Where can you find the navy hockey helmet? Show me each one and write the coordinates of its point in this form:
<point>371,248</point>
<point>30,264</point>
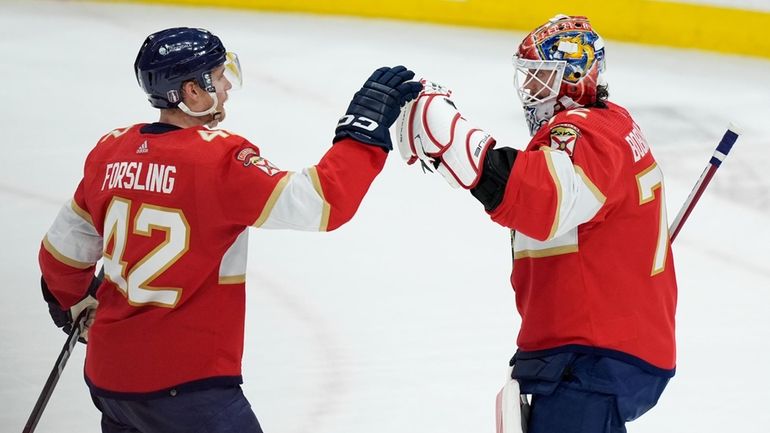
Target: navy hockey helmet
<point>173,56</point>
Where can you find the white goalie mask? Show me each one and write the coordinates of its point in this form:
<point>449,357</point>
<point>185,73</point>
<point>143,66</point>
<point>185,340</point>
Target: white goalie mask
<point>559,66</point>
<point>537,84</point>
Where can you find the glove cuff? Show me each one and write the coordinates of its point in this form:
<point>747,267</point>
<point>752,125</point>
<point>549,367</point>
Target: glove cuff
<point>47,295</point>
<point>494,178</point>
<point>385,145</point>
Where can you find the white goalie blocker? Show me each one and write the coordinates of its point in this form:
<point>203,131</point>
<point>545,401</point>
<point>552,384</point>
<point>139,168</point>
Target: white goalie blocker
<point>430,129</point>
<point>509,405</point>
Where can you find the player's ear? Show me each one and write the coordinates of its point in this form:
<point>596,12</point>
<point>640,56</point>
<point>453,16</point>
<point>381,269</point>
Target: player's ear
<point>190,91</point>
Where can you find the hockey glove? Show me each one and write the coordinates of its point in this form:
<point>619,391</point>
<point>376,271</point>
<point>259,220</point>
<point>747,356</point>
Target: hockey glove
<point>430,129</point>
<point>65,319</point>
<point>375,107</point>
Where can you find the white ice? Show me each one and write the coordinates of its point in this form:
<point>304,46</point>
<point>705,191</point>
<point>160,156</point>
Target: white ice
<point>403,320</point>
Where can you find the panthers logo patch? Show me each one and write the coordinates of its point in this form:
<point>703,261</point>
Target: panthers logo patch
<point>250,157</point>
<point>564,137</point>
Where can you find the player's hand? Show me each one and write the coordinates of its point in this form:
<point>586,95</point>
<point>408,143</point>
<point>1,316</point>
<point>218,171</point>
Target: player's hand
<point>409,140</point>
<point>431,130</point>
<point>376,106</point>
<point>65,319</point>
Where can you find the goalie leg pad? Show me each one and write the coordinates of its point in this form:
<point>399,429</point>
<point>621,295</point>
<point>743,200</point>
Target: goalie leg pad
<point>508,408</point>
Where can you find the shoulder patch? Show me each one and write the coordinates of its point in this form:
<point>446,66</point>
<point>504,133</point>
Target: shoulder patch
<point>250,157</point>
<point>115,133</point>
<point>564,136</point>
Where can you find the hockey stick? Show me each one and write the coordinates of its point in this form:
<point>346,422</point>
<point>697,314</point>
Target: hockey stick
<point>61,361</point>
<point>56,373</point>
<point>716,160</point>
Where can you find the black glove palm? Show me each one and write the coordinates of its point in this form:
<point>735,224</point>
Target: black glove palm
<point>376,106</point>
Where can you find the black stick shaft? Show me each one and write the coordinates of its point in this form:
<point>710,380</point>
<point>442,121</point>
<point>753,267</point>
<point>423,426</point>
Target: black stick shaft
<point>53,378</point>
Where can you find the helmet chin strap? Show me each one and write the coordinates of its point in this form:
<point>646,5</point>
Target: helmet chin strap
<point>216,115</point>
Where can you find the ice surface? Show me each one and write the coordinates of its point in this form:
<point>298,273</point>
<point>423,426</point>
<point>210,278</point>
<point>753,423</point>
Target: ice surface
<point>404,319</point>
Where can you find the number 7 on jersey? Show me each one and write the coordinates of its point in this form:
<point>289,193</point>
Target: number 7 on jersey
<point>648,181</point>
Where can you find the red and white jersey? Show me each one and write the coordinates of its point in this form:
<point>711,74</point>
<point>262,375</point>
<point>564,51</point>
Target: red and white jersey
<point>592,256</point>
<point>168,210</point>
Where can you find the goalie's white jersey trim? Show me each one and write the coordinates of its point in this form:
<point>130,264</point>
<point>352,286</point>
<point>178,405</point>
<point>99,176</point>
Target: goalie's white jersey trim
<point>579,200</point>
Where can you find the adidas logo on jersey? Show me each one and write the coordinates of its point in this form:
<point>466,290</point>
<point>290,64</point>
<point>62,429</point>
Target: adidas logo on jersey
<point>143,148</point>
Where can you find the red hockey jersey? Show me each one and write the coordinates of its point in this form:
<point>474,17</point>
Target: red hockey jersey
<point>169,213</point>
<point>593,268</point>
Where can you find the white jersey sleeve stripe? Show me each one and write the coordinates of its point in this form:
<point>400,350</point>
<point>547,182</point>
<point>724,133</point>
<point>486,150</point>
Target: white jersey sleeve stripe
<point>83,214</point>
<point>62,258</point>
<point>300,205</point>
<point>525,246</point>
<point>326,208</point>
<point>271,200</point>
<point>579,200</point>
<point>557,181</point>
<point>72,239</point>
<point>600,197</point>
<point>232,269</point>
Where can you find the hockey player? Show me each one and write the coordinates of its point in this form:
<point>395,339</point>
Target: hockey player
<point>593,271</point>
<point>167,206</point>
